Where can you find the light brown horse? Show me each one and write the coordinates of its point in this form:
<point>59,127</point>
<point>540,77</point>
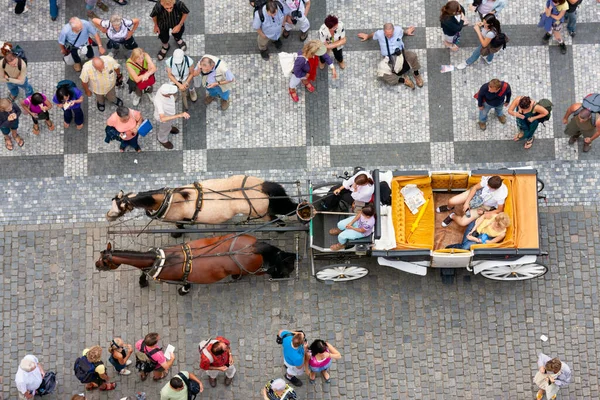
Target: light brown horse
<point>208,202</point>
<point>206,260</point>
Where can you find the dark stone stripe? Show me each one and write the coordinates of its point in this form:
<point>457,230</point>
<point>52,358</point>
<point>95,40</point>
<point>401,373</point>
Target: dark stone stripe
<point>380,154</point>
<point>502,151</point>
<point>194,129</point>
<point>317,110</point>
<point>194,24</point>
<point>259,158</point>
<point>562,82</point>
<point>31,166</point>
<point>433,11</point>
<point>149,162</point>
<point>440,96</point>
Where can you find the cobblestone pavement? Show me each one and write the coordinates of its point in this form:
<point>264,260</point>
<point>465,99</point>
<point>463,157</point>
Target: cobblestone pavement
<point>401,336</point>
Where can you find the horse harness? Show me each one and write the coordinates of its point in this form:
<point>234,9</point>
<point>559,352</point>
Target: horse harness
<point>164,207</point>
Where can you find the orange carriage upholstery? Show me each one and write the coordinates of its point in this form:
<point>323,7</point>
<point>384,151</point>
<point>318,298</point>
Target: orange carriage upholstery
<point>422,238</point>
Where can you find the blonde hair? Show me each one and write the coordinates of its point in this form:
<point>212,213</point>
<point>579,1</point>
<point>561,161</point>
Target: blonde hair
<point>168,2</point>
<point>503,220</point>
<point>311,48</point>
<point>5,105</point>
<point>135,53</point>
<point>94,354</point>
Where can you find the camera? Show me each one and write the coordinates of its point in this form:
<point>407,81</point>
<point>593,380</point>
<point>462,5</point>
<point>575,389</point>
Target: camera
<point>397,52</point>
<point>295,15</point>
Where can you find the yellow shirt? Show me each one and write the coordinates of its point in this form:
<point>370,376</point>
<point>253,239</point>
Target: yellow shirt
<point>563,7</point>
<point>100,82</point>
<point>487,227</point>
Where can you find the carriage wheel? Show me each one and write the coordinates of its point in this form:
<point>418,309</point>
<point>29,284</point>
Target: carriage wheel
<point>341,273</point>
<point>540,185</point>
<point>515,272</point>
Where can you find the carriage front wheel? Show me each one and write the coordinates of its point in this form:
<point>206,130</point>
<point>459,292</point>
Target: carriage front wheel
<point>515,272</point>
<point>341,273</point>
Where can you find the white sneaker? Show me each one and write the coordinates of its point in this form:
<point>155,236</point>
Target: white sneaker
<point>136,101</point>
<point>486,61</point>
<point>462,65</point>
<point>125,372</point>
<point>111,54</point>
<point>151,101</point>
<point>128,362</point>
<point>26,9</point>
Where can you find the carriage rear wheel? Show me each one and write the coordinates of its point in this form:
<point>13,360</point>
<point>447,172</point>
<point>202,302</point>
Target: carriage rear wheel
<point>515,272</point>
<point>341,273</point>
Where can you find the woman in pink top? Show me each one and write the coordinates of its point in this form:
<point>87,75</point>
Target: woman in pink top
<point>320,354</point>
<point>37,106</point>
<point>126,122</point>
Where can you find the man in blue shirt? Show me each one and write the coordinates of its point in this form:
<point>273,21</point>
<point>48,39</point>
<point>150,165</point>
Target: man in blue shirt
<point>75,35</point>
<point>268,22</point>
<point>401,60</point>
<point>294,353</point>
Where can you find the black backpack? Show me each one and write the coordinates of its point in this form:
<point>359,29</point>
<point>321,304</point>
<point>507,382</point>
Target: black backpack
<point>85,370</point>
<point>192,386</point>
<point>500,40</point>
<point>48,384</point>
<point>144,361</point>
<point>259,4</point>
<point>547,104</point>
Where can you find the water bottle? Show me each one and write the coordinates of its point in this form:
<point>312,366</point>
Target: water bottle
<point>484,238</point>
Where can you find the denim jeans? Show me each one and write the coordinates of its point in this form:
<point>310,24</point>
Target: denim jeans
<point>348,234</point>
<point>133,142</point>
<point>476,54</point>
<point>13,88</point>
<point>53,9</point>
<point>571,20</point>
<point>483,114</point>
<point>218,92</point>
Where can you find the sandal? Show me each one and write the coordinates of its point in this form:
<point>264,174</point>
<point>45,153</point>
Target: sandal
<point>8,143</point>
<point>50,125</point>
<point>518,136</point>
<point>66,125</point>
<point>109,386</point>
<point>181,44</point>
<point>36,129</point>
<point>528,144</point>
<point>311,381</point>
<point>101,107</point>
<point>309,87</point>
<point>121,2</point>
<point>19,140</point>
<point>163,52</point>
<point>444,208</point>
<point>294,95</point>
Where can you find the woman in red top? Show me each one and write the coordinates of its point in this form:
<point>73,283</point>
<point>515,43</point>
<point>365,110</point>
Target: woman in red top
<point>126,122</point>
<point>215,356</point>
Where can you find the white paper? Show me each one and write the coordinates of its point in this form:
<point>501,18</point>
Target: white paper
<point>447,68</point>
<point>170,349</point>
<point>543,338</point>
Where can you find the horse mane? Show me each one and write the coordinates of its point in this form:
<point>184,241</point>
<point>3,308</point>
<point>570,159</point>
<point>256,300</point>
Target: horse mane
<point>144,199</point>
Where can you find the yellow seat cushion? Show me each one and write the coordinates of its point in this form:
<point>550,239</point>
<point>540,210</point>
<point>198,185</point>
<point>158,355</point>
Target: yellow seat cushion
<point>423,236</point>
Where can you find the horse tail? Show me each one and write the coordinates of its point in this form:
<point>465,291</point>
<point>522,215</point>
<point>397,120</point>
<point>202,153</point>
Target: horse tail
<point>279,201</point>
<point>279,263</point>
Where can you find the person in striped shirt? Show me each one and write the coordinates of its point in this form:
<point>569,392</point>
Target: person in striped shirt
<point>169,16</point>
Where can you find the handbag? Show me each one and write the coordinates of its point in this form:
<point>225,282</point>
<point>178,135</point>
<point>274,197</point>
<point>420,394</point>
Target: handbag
<point>287,60</point>
<point>48,384</point>
<point>68,59</point>
<point>144,128</point>
<point>142,85</point>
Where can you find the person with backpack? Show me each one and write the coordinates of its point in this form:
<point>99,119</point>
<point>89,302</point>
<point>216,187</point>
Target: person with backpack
<point>119,31</point>
<point>294,346</point>
<point>90,370</point>
<point>552,20</point>
<point>180,69</point>
<point>215,357</point>
<point>584,122</point>
<point>169,19</point>
<point>529,114</point>
<point>13,71</point>
<point>452,19</point>
<point>29,377</point>
<point>216,78</point>
<point>183,386</point>
<point>491,39</point>
<point>268,22</point>
<point>296,15</point>
<point>150,358</point>
<point>37,106</point>
<point>75,36</point>
<point>69,98</point>
<point>494,94</point>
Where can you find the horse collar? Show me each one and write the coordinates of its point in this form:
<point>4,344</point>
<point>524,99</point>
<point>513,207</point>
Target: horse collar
<point>164,206</point>
<point>188,262</point>
<point>156,268</point>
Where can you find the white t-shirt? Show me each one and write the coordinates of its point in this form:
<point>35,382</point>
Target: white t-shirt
<point>121,34</point>
<point>496,196</point>
<point>180,71</point>
<point>29,381</point>
<point>163,105</point>
<point>363,193</point>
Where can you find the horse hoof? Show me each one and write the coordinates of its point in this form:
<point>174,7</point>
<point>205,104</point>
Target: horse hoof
<point>182,292</point>
<point>144,284</point>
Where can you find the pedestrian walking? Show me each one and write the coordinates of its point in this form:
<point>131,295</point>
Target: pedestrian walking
<point>178,389</point>
<point>180,70</point>
<point>165,112</point>
<point>69,98</point>
<point>354,227</point>
<point>100,76</point>
<point>37,106</point>
<point>90,6</point>
<point>571,16</point>
<point>484,7</point>
<point>126,122</point>
<point>158,363</point>
<point>268,22</point>
<point>552,374</point>
<point>528,113</point>
<point>29,377</point>
<point>296,15</point>
<point>119,32</point>
<point>552,20</point>
<point>321,355</point>
<point>215,357</point>
<point>119,355</point>
<point>400,60</point>
<point>333,35</point>
<point>494,94</point>
<point>74,36</point>
<point>491,40</point>
<point>277,389</point>
<point>53,10</point>
<point>90,370</point>
<point>216,78</point>
<point>452,19</point>
<point>141,70</point>
<point>13,71</point>
<point>169,18</point>
<point>584,122</point>
<point>305,67</point>
<point>9,123</point>
<point>294,348</point>
<point>21,6</point>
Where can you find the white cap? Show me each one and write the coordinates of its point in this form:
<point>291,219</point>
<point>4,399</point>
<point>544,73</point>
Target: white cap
<point>278,384</point>
<point>178,56</point>
<point>168,88</point>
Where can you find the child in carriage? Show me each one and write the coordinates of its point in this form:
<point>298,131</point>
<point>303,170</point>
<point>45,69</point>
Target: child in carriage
<point>356,227</point>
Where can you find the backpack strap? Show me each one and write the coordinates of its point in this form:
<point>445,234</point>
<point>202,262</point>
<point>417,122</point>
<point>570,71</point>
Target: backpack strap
<point>503,90</point>
<point>203,346</point>
<point>184,378</point>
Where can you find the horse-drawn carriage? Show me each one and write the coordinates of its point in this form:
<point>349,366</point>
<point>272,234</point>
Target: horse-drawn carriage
<point>416,243</point>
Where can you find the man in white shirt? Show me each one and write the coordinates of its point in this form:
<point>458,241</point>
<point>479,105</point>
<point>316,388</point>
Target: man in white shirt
<point>164,112</point>
<point>296,12</point>
<point>29,377</point>
<point>491,192</point>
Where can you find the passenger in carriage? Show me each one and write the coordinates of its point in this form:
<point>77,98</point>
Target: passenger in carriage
<point>358,188</point>
<point>488,197</point>
<point>486,229</point>
<point>356,227</point>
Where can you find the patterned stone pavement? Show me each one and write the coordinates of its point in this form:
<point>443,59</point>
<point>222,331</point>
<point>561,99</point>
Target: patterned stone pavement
<point>401,336</point>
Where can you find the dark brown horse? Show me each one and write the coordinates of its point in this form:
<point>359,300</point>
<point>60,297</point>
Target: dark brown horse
<point>206,260</point>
